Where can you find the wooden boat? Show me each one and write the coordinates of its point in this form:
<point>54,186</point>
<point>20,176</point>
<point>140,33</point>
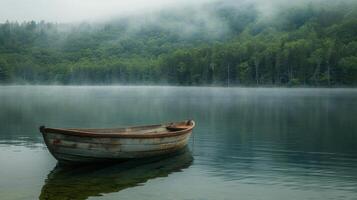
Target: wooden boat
<point>95,145</point>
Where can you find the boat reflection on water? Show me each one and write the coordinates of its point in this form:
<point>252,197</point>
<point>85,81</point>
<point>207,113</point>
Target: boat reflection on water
<point>74,182</point>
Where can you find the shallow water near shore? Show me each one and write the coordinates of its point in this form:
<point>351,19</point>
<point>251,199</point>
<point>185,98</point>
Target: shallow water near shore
<point>249,143</point>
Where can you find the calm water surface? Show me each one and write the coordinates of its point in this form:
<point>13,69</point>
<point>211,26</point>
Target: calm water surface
<point>248,143</point>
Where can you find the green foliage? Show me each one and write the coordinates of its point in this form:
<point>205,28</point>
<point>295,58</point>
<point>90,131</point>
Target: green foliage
<point>303,45</point>
<point>348,68</point>
<point>4,73</point>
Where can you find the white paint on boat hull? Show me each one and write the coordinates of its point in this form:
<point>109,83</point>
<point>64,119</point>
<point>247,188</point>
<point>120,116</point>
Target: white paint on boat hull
<point>66,148</point>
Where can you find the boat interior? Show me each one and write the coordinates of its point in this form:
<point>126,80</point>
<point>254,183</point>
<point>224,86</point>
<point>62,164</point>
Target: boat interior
<point>150,129</point>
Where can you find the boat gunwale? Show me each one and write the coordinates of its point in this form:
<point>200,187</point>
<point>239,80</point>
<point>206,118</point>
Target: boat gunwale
<point>71,132</point>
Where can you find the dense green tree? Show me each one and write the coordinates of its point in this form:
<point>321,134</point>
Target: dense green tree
<point>4,72</point>
<point>348,67</point>
<point>314,44</point>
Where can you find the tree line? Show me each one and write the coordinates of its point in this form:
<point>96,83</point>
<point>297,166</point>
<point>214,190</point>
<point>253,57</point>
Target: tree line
<point>310,45</point>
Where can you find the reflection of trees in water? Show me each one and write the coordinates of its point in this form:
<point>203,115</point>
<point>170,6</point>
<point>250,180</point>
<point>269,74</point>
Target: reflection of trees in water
<point>292,137</point>
<point>66,182</point>
<point>266,162</point>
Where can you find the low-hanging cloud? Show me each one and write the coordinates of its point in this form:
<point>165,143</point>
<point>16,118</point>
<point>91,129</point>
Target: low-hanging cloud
<point>68,11</point>
<point>186,17</point>
<point>65,11</point>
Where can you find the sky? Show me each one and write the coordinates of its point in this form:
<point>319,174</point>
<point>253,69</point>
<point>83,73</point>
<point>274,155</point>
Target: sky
<point>68,11</point>
<point>64,11</point>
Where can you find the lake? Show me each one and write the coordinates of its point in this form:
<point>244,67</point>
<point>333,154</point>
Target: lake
<point>249,143</point>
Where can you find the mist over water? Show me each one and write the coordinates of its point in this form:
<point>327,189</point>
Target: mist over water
<point>253,142</point>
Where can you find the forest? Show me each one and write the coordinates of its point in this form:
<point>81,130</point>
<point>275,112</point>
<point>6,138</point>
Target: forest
<point>312,44</point>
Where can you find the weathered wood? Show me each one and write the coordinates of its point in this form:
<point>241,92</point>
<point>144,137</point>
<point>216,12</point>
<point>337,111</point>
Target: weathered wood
<point>93,145</point>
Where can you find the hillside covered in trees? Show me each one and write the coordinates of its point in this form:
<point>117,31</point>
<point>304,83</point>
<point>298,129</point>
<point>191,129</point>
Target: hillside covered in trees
<point>219,43</point>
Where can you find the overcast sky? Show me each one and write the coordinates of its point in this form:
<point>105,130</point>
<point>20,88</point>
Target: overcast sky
<point>80,10</point>
<point>97,10</point>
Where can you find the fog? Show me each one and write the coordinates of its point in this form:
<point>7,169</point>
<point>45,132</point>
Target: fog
<point>205,42</point>
<point>184,16</point>
<point>66,11</point>
<point>81,10</point>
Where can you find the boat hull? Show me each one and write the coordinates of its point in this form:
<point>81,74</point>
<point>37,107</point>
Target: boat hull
<point>84,149</point>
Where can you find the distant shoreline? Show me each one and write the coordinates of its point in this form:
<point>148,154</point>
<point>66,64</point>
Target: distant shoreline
<point>188,86</point>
